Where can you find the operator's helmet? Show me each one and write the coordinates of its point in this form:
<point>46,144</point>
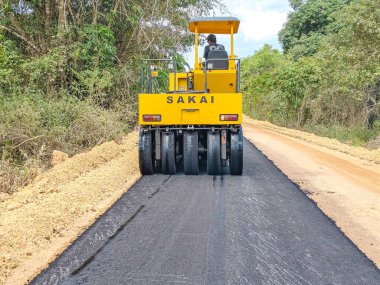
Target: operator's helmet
<point>211,38</point>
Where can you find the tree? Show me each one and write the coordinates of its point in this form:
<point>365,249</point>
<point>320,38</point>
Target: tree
<point>274,86</point>
<point>138,26</point>
<point>335,90</point>
<point>257,81</point>
<point>64,37</point>
<point>308,24</point>
<point>347,93</point>
<point>296,4</point>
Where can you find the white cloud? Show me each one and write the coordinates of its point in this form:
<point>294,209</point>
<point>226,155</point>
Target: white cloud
<point>260,20</point>
<point>261,25</point>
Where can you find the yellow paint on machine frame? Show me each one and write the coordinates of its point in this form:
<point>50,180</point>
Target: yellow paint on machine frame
<point>216,25</point>
<point>190,108</point>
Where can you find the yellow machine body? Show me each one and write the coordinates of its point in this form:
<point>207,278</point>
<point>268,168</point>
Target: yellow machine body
<point>218,81</point>
<point>215,25</point>
<point>190,109</point>
<point>200,106</point>
<point>181,82</point>
<point>187,117</point>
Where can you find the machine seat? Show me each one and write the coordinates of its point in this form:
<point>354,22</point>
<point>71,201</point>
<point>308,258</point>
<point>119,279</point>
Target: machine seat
<point>218,52</point>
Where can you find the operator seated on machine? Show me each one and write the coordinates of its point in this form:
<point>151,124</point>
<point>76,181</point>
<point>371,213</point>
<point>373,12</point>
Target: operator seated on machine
<point>212,45</point>
<point>215,54</point>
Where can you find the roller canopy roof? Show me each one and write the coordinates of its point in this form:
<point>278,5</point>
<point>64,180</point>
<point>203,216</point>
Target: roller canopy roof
<point>214,25</point>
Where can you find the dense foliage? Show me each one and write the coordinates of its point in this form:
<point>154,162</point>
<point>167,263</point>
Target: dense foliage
<point>82,47</point>
<point>69,71</point>
<point>336,86</point>
<point>308,24</point>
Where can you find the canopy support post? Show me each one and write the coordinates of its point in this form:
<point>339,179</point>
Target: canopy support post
<point>196,49</point>
<point>232,41</point>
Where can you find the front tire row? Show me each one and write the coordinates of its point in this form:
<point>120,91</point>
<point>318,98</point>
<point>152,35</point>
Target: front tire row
<point>169,150</point>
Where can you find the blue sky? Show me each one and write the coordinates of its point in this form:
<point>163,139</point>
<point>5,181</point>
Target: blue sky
<point>260,22</point>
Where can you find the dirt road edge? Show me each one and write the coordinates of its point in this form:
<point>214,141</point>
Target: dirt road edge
<point>40,221</point>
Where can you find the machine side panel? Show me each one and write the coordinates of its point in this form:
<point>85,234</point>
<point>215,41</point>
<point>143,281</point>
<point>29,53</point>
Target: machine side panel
<point>218,81</point>
<point>181,82</point>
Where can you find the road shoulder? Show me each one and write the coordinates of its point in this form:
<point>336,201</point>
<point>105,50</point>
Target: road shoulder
<point>39,221</point>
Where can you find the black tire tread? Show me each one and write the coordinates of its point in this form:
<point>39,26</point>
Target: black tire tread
<point>190,153</point>
<point>168,162</point>
<point>146,153</point>
<point>236,156</point>
<point>214,163</point>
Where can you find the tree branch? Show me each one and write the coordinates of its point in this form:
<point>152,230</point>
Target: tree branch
<point>19,36</point>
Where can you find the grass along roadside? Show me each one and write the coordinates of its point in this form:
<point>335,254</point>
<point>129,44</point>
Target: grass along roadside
<point>33,126</point>
<point>359,136</point>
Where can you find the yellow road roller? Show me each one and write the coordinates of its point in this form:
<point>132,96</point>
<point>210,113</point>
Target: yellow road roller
<point>191,117</point>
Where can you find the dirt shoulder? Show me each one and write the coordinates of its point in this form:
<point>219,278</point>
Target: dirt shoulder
<point>40,221</point>
<point>343,180</point>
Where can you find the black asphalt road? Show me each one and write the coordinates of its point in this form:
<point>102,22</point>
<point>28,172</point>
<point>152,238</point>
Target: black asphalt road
<point>255,229</point>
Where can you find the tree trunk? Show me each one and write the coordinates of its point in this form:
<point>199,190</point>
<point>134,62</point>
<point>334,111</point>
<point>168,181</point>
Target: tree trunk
<point>61,15</point>
<point>47,17</point>
<point>95,5</point>
<point>47,22</point>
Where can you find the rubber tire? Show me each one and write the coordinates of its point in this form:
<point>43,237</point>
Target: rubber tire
<point>168,153</point>
<point>190,153</point>
<point>146,153</point>
<point>236,155</point>
<point>214,162</point>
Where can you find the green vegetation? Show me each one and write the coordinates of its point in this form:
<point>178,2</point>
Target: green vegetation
<point>327,80</point>
<point>69,72</point>
<point>32,126</point>
<point>308,25</point>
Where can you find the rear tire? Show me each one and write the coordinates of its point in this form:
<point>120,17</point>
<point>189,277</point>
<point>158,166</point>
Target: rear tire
<point>190,153</point>
<point>236,156</point>
<point>214,163</point>
<point>168,153</point>
<point>145,153</point>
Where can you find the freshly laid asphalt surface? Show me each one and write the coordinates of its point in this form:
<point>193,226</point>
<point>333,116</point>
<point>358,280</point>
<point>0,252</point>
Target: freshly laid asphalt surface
<point>255,229</point>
